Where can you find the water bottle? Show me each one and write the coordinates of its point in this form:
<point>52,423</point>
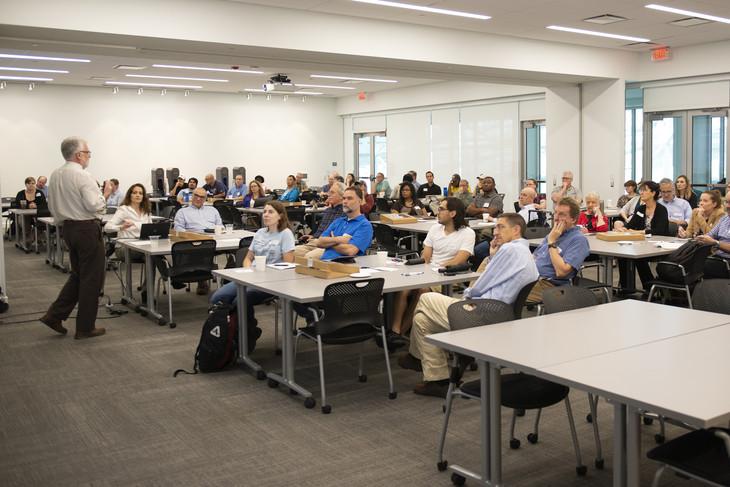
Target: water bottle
<point>446,191</point>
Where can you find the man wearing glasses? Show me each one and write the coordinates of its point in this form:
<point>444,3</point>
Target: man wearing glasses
<point>76,202</point>
<point>678,209</point>
<point>566,190</point>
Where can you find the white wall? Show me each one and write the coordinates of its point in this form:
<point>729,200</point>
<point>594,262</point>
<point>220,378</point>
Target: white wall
<point>129,134</point>
<point>563,111</point>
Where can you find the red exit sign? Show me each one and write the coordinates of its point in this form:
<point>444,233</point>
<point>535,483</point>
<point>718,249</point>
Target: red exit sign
<point>660,54</point>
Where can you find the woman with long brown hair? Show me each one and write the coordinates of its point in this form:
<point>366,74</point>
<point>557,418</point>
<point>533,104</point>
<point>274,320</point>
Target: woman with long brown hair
<point>131,214</point>
<point>684,190</point>
<point>705,216</point>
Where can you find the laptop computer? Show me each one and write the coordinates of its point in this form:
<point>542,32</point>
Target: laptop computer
<point>161,229</point>
<point>259,202</point>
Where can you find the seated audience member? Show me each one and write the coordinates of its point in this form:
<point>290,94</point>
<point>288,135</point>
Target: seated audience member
<point>349,180</point>
<point>630,188</point>
<point>561,254</point>
<point>330,181</point>
<point>381,187</point>
<point>627,211</point>
<point>255,191</point>
<point>301,183</point>
<point>463,192</point>
<point>407,178</point>
<point>116,196</point>
<point>486,200</point>
<point>415,182</point>
<point>185,195</point>
<point>29,198</point>
<point>449,242</point>
<point>213,187</point>
<point>592,219</point>
<point>511,267</point>
<point>196,218</point>
<point>260,180</point>
<point>368,202</point>
<point>177,187</point>
<point>238,190</point>
<point>42,185</point>
<point>705,216</point>
<point>540,200</point>
<point>429,188</point>
<point>678,210</point>
<point>527,206</point>
<point>407,203</point>
<point>340,179</point>
<point>651,217</point>
<point>719,236</point>
<point>683,190</point>
<point>329,215</point>
<point>275,240</point>
<point>292,191</point>
<point>127,221</point>
<point>454,185</point>
<point>566,190</point>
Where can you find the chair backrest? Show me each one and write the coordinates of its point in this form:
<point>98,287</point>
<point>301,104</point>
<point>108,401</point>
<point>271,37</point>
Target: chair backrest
<point>308,196</point>
<point>351,303</point>
<point>243,247</point>
<point>169,212</point>
<point>218,203</point>
<point>716,268</point>
<point>692,256</point>
<point>522,299</point>
<point>536,232</point>
<point>469,313</point>
<point>712,295</point>
<point>382,204</point>
<point>384,236</point>
<point>673,229</point>
<point>296,213</point>
<point>566,298</point>
<point>193,256</point>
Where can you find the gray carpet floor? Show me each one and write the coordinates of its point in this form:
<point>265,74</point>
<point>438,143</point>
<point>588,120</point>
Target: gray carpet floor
<point>107,411</point>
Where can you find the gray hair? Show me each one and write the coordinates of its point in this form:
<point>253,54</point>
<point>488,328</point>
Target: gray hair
<point>70,146</point>
<point>338,187</point>
<point>592,195</point>
<point>666,181</point>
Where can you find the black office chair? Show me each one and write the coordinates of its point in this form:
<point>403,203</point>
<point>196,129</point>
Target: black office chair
<point>351,314</point>
<point>536,232</point>
<point>676,277</point>
<point>581,281</point>
<point>192,261</point>
<point>297,218</point>
<point>308,196</point>
<point>703,455</point>
<point>522,299</point>
<point>168,212</point>
<point>712,295</point>
<point>386,239</point>
<point>716,268</point>
<point>673,229</point>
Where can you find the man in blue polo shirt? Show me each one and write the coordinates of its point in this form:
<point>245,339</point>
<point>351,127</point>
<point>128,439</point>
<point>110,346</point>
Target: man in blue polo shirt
<point>349,235</point>
<point>563,251</point>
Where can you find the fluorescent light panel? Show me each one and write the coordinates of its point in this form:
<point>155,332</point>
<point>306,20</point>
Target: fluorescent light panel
<point>595,33</point>
<point>308,93</point>
<point>198,68</point>
<point>23,78</point>
<point>152,85</point>
<point>347,78</point>
<point>179,78</point>
<point>325,86</point>
<point>259,90</point>
<point>44,58</point>
<point>689,13</point>
<point>32,70</point>
<point>422,8</point>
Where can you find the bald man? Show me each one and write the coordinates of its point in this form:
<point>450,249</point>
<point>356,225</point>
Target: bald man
<point>214,188</point>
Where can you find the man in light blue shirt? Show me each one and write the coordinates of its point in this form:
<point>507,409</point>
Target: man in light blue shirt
<point>678,209</point>
<point>117,196</point>
<point>238,190</point>
<point>510,269</point>
<point>197,217</point>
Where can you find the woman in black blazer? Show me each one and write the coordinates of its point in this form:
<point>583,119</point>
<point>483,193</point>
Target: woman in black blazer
<point>650,216</point>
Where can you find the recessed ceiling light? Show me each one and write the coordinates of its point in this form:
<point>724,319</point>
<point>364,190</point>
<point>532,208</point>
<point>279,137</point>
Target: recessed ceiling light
<point>596,33</point>
<point>23,78</point>
<point>326,76</point>
<point>422,8</point>
<point>605,19</point>
<point>152,85</point>
<point>129,67</point>
<point>325,86</point>
<point>221,70</point>
<point>213,80</point>
<point>254,90</point>
<point>32,70</point>
<point>44,58</point>
<point>688,13</point>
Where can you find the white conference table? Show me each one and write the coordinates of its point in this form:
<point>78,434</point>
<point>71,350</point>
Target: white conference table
<point>291,287</point>
<point>21,219</point>
<point>161,248</point>
<point>570,347</point>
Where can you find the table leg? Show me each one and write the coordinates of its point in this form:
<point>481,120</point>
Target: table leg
<point>149,306</point>
<point>20,237</point>
<point>619,445</point>
<point>607,269</point>
<point>494,475</point>
<point>414,241</point>
<point>128,275</point>
<point>241,298</point>
<point>50,259</point>
<point>59,249</point>
<point>633,446</point>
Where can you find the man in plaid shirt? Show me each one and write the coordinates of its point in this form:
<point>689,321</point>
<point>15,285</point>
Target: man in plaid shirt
<point>333,212</point>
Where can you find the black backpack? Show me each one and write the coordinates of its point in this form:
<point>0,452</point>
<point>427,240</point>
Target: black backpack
<point>218,346</point>
<point>686,256</point>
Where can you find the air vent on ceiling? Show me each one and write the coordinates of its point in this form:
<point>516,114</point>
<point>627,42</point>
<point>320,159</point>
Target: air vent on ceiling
<point>100,78</point>
<point>129,67</point>
<point>690,22</point>
<point>641,45</point>
<point>605,19</point>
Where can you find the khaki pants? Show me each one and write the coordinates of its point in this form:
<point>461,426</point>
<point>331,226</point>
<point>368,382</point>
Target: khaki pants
<point>536,293</point>
<point>307,250</point>
<point>431,317</point>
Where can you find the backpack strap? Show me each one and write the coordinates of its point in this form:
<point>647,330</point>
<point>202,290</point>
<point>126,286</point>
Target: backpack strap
<point>195,368</point>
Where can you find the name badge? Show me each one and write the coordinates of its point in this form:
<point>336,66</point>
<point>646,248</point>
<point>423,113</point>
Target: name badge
<point>485,205</point>
<point>640,214</point>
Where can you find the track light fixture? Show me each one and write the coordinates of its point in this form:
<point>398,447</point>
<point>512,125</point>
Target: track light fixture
<point>163,91</point>
<point>115,90</point>
<point>187,93</point>
<point>31,86</point>
<point>140,90</point>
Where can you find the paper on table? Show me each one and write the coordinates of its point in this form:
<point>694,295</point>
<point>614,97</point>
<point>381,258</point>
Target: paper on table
<point>243,269</point>
<point>386,269</point>
<point>670,245</point>
<point>282,266</point>
<point>367,271</point>
<point>229,241</point>
<point>143,242</point>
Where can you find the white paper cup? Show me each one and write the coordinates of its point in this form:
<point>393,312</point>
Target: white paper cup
<point>260,263</point>
<point>485,217</point>
<point>155,240</point>
<point>219,229</point>
<point>229,228</point>
<point>382,257</point>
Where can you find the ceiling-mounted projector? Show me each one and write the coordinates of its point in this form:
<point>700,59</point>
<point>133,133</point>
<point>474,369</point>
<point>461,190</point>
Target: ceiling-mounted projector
<point>278,82</point>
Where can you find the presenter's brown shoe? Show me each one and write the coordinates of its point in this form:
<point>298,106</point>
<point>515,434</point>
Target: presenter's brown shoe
<point>96,332</point>
<point>54,325</point>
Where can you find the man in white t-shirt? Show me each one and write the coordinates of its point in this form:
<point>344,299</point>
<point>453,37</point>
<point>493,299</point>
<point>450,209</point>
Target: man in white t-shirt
<point>527,205</point>
<point>449,242</point>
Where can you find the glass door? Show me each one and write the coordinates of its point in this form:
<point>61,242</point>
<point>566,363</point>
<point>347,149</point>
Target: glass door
<point>534,154</point>
<point>371,156</point>
<point>709,149</point>
<point>665,141</point>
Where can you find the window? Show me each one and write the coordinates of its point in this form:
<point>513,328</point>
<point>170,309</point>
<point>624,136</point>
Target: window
<point>534,155</point>
<point>634,130</point>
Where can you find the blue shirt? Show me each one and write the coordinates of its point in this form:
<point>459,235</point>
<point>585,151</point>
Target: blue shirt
<point>573,248</point>
<point>721,233</point>
<point>216,188</point>
<point>272,244</point>
<point>185,195</point>
<point>359,229</point>
<point>115,199</point>
<point>236,192</point>
<point>290,195</point>
<point>511,269</point>
<point>677,209</point>
<point>194,219</point>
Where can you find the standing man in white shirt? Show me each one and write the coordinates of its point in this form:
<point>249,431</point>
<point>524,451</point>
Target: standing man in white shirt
<point>76,202</point>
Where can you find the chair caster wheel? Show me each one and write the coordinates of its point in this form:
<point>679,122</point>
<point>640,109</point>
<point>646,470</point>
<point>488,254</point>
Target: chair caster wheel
<point>326,409</point>
<point>442,466</point>
<point>648,421</point>
<point>48,261</point>
<point>581,470</point>
<point>599,463</point>
<point>173,324</point>
<point>659,439</point>
<point>139,288</point>
<point>532,438</point>
<point>124,301</point>
<point>514,443</point>
<point>519,412</point>
<point>457,479</point>
<point>162,322</point>
<point>443,408</point>
<point>260,375</point>
<point>273,384</point>
<point>309,403</point>
<point>278,353</point>
<point>589,418</point>
<point>138,309</point>
<point>143,312</point>
<point>362,378</point>
<point>392,395</point>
